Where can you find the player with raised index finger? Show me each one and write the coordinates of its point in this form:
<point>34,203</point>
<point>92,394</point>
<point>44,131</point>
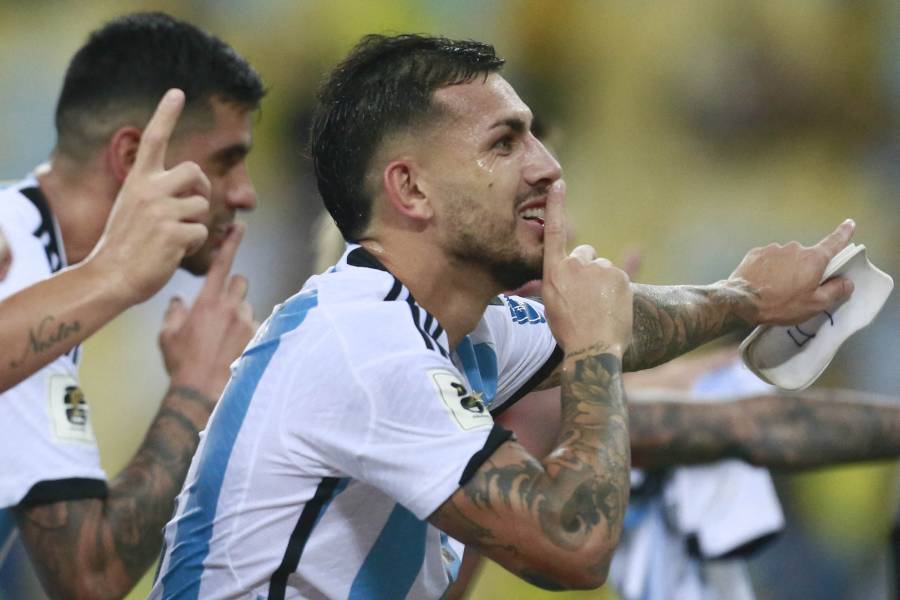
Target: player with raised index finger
<point>144,178</point>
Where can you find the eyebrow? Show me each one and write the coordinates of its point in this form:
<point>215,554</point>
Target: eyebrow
<point>514,123</point>
<point>237,150</point>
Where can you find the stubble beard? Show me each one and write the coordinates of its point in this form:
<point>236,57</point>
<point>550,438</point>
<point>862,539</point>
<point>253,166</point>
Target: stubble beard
<point>496,254</point>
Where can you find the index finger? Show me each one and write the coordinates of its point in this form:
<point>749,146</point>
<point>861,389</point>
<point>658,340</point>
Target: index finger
<point>838,239</point>
<point>555,229</point>
<point>222,261</point>
<point>151,152</point>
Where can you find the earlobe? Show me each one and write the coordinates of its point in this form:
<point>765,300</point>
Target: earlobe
<point>404,191</point>
<point>121,151</point>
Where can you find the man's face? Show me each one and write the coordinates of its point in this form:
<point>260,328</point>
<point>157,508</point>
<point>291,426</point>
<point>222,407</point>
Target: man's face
<point>489,177</point>
<point>220,149</point>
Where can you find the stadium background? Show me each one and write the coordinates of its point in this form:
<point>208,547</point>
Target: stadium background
<point>689,131</point>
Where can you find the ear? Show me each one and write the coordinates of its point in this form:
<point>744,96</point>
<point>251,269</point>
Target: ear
<point>121,150</point>
<point>404,191</point>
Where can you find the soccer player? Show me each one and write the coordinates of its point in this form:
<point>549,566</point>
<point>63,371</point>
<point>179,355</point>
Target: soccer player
<point>123,201</point>
<point>355,437</point>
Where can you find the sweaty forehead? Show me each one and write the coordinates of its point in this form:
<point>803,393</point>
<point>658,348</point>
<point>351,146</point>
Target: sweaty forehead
<point>483,102</point>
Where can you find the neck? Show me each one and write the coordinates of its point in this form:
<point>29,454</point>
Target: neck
<point>457,295</point>
<point>80,197</point>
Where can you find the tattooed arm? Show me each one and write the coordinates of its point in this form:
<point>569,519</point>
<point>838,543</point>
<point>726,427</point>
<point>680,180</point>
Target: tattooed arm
<point>555,522</point>
<point>772,285</point>
<point>100,548</point>
<point>46,320</point>
<point>785,430</point>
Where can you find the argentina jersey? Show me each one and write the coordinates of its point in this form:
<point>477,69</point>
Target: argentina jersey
<point>347,422</point>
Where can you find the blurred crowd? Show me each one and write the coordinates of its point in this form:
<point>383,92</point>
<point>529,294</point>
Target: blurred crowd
<point>688,132</point>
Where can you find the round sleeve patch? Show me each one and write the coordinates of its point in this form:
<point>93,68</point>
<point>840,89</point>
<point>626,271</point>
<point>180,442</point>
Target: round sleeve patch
<point>466,409</point>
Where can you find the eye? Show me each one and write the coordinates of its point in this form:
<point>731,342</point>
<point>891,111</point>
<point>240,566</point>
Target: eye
<point>504,144</point>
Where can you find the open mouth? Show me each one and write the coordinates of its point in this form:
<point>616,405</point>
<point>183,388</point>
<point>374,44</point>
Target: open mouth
<point>533,211</point>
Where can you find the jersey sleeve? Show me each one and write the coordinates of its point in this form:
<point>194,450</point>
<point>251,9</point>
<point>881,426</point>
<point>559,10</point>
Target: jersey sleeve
<point>515,330</point>
<point>48,447</point>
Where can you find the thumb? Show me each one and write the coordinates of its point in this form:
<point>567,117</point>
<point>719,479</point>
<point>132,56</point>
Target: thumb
<point>833,292</point>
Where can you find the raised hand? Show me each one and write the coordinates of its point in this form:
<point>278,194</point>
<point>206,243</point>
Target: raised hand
<point>200,344</point>
<point>158,214</point>
<point>785,281</point>
<point>588,300</point>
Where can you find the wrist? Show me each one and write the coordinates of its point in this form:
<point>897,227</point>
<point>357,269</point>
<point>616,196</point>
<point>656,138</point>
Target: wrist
<point>109,281</point>
<point>190,402</point>
<point>739,299</point>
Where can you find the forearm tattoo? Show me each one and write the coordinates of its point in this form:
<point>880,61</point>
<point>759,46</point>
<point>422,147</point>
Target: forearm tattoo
<point>114,540</point>
<point>45,337</point>
<point>672,320</point>
<point>581,489</point>
<point>782,431</point>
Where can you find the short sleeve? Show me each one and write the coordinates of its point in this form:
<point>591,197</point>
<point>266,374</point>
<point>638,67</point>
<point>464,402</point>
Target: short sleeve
<point>516,332</point>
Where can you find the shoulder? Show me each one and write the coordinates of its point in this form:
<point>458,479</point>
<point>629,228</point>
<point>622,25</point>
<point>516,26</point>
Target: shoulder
<point>17,211</point>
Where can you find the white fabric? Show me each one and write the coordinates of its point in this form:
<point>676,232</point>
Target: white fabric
<point>724,506</point>
<point>47,433</point>
<point>342,388</point>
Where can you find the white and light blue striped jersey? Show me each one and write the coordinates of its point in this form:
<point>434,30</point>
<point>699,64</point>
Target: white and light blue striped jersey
<point>346,423</point>
<point>48,448</point>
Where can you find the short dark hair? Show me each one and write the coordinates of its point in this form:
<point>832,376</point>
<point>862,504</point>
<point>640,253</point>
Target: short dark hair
<point>126,66</point>
<point>385,84</point>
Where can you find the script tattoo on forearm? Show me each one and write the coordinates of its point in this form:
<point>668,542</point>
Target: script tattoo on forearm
<point>672,320</point>
<point>119,537</point>
<point>583,485</point>
<point>781,431</point>
<point>45,337</point>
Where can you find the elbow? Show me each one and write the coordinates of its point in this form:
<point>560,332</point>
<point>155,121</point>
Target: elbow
<point>578,569</point>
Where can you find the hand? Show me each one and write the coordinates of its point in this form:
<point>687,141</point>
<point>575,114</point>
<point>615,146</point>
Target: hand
<point>199,345</point>
<point>784,280</point>
<point>588,300</point>
<point>158,214</point>
<point>5,257</point>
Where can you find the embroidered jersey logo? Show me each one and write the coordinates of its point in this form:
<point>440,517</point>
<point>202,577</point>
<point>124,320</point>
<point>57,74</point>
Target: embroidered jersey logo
<point>522,312</point>
<point>68,411</point>
<point>466,409</point>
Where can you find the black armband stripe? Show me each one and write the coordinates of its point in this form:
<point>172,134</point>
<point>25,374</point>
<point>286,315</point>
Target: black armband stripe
<point>497,436</point>
<point>543,373</point>
<point>59,490</point>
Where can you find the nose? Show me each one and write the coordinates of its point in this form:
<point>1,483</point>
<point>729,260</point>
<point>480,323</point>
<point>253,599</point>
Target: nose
<point>542,168</point>
<point>241,193</point>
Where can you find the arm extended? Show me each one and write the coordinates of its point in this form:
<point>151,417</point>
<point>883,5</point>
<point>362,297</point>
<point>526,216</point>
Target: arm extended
<point>787,430</point>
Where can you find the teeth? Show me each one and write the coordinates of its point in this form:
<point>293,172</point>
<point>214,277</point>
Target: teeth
<point>533,213</point>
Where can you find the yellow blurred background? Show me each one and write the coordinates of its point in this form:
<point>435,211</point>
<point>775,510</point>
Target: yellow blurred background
<point>689,131</point>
